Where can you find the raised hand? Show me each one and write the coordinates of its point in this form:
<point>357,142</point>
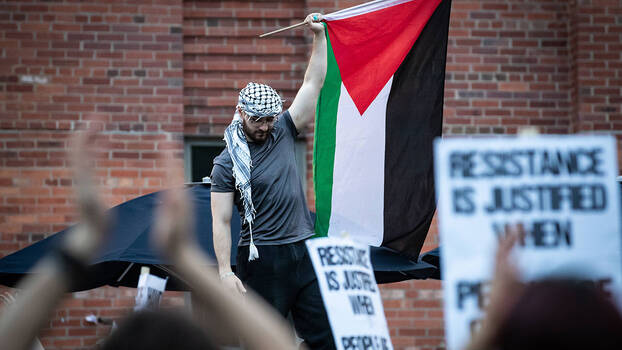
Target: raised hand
<point>314,22</point>
<point>89,233</point>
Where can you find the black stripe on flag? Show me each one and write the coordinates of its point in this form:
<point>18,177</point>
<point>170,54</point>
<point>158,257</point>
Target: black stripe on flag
<point>414,119</point>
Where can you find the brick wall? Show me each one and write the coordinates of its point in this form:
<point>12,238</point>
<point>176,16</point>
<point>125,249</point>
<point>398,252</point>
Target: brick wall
<point>508,67</point>
<point>223,53</point>
<point>599,67</point>
<point>64,65</point>
<point>152,71</point>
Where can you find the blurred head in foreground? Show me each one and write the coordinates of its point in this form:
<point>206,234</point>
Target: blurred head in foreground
<point>561,314</point>
<point>152,330</point>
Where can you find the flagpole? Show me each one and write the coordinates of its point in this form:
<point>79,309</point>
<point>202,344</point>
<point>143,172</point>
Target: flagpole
<point>282,29</point>
<point>356,7</point>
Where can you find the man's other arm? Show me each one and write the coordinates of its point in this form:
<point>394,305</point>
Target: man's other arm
<point>302,109</point>
<point>222,203</point>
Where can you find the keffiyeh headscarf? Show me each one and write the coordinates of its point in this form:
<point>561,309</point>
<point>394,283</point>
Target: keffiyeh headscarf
<point>256,100</point>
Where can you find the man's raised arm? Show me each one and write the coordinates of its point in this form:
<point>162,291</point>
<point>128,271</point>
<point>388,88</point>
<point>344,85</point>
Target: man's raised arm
<point>302,109</point>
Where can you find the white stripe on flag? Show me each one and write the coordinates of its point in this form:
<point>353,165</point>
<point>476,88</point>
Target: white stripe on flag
<point>363,8</point>
<point>358,177</point>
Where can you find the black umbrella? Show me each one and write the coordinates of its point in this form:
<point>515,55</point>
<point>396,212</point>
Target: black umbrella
<point>127,248</point>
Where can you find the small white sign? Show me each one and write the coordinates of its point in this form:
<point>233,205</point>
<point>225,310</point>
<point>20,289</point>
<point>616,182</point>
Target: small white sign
<point>149,293</point>
<point>564,191</point>
<point>350,293</point>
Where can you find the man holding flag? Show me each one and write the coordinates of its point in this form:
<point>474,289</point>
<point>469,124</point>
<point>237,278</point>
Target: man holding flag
<point>257,172</point>
<point>377,77</point>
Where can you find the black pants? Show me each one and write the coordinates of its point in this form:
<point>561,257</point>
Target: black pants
<point>284,276</point>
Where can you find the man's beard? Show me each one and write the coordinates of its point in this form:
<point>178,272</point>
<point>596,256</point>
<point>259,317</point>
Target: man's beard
<point>257,136</point>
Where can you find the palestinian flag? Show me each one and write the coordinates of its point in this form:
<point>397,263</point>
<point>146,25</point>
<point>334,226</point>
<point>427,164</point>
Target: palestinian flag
<point>379,110</point>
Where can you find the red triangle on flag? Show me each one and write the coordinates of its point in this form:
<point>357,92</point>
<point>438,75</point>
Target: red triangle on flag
<point>371,46</point>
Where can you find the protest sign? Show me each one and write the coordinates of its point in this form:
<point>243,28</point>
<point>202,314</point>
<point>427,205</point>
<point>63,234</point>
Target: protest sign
<point>149,290</point>
<point>561,188</point>
<point>350,293</point>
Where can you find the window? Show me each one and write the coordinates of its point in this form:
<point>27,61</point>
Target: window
<point>199,157</point>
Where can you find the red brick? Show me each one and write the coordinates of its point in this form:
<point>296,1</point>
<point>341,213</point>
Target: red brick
<point>53,332</point>
<point>512,66</point>
<point>97,81</point>
<point>72,342</point>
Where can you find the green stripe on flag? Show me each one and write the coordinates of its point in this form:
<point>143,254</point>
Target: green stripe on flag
<point>324,142</point>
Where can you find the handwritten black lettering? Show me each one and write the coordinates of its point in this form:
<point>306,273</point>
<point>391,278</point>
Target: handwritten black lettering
<point>364,342</point>
<point>544,233</point>
<point>529,198</point>
<point>358,280</point>
<point>361,304</point>
<point>343,255</point>
<point>532,162</point>
<point>331,280</point>
<point>463,200</point>
<point>473,290</point>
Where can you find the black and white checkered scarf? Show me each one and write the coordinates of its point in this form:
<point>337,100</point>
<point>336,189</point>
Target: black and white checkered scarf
<point>256,100</point>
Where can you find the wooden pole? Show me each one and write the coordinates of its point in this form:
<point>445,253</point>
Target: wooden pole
<point>330,14</point>
<point>282,29</point>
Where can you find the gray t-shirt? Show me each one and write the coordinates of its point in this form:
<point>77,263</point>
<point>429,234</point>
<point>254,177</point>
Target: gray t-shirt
<point>281,215</point>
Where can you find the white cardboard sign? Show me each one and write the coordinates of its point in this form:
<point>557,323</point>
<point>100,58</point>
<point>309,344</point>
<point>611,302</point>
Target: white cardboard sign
<point>149,291</point>
<point>350,293</point>
<point>564,191</point>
